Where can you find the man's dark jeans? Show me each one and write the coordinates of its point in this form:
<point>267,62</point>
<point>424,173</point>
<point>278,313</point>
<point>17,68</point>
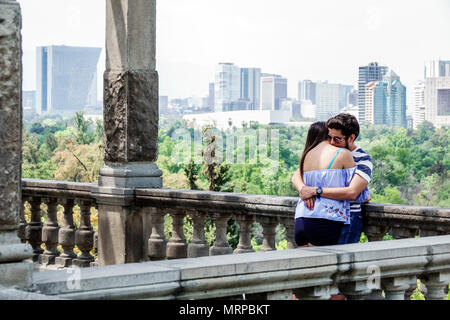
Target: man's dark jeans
<point>351,233</point>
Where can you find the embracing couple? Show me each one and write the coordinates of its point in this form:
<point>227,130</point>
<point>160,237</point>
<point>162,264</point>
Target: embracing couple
<point>332,181</point>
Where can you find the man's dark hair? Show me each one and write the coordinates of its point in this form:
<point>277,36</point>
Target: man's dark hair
<point>345,122</point>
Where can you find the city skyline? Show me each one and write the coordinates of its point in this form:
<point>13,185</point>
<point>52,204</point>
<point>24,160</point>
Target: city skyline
<point>326,40</point>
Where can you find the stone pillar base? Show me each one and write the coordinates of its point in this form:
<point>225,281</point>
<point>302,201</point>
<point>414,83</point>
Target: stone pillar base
<point>13,270</point>
<point>16,274</point>
<point>120,225</point>
<point>130,175</point>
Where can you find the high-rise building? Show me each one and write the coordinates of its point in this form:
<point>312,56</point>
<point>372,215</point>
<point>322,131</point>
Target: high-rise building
<point>307,91</point>
<point>250,86</point>
<point>66,78</point>
<point>273,89</point>
<point>211,96</point>
<point>437,101</point>
<point>327,100</point>
<point>395,100</point>
<point>385,101</point>
<point>437,68</point>
<point>227,86</point>
<point>419,103</point>
<point>353,98</point>
<point>163,105</point>
<point>291,105</point>
<point>371,72</point>
<point>344,95</point>
<point>29,100</point>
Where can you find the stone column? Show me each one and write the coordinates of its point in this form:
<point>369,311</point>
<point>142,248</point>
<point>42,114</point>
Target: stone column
<point>130,122</point>
<point>13,271</point>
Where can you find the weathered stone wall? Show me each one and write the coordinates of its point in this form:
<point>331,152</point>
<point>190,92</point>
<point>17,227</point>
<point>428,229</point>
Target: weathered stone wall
<point>10,114</point>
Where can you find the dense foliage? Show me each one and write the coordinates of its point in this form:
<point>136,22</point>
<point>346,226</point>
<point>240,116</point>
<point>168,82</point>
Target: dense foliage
<point>410,166</point>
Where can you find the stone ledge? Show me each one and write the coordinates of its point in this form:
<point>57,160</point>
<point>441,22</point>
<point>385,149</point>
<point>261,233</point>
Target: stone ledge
<point>227,275</point>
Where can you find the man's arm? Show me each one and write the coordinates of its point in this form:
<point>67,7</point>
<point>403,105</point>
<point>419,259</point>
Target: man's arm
<point>357,185</point>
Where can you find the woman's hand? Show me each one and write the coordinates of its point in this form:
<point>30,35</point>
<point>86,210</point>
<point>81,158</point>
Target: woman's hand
<point>309,203</point>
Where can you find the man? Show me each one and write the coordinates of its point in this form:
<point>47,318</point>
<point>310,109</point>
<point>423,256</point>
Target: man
<point>343,130</point>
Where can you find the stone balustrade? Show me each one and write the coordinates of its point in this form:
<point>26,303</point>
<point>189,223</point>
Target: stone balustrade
<point>154,204</point>
<point>357,270</point>
<point>66,195</point>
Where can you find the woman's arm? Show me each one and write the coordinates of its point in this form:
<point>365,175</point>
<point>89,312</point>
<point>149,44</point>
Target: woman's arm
<point>298,183</point>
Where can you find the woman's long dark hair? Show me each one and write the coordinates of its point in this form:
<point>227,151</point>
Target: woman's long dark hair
<point>317,133</point>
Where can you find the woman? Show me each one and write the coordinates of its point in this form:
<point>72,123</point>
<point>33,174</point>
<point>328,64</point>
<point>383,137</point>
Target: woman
<point>323,165</point>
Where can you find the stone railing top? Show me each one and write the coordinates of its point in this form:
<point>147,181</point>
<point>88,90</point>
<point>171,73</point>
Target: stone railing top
<point>227,275</point>
<point>217,201</point>
<point>36,187</point>
<point>409,210</point>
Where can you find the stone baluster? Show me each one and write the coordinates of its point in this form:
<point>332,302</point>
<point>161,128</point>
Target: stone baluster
<point>245,233</point>
<point>67,235</point>
<point>403,233</point>
<point>315,293</point>
<point>355,290</point>
<point>198,246</point>
<point>21,231</point>
<point>84,236</point>
<point>221,245</point>
<point>374,233</point>
<point>177,246</point>
<point>436,284</point>
<point>395,287</point>
<point>50,233</point>
<point>288,223</point>
<point>34,228</point>
<point>269,225</point>
<point>157,242</point>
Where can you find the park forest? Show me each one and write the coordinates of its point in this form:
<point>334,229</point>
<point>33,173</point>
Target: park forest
<point>410,166</point>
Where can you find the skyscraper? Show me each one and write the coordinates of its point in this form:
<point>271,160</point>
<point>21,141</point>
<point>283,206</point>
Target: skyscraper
<point>66,78</point>
<point>437,68</point>
<point>250,86</point>
<point>344,95</point>
<point>273,89</point>
<point>437,101</point>
<point>227,86</point>
<point>307,91</point>
<point>327,100</point>
<point>385,101</point>
<point>211,97</point>
<point>419,103</point>
<point>371,72</point>
<point>395,100</point>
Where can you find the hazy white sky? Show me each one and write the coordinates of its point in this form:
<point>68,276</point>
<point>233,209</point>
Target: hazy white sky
<point>299,39</point>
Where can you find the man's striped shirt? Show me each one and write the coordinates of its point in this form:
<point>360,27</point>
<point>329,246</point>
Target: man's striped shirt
<point>364,167</point>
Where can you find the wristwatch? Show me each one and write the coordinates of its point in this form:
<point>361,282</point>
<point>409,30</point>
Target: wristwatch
<point>318,192</point>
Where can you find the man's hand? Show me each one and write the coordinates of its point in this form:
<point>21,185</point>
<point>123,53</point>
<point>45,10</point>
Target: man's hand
<point>368,199</point>
<point>307,192</point>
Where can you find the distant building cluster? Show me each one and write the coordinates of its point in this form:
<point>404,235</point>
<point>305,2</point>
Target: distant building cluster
<point>66,82</point>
